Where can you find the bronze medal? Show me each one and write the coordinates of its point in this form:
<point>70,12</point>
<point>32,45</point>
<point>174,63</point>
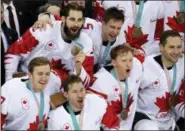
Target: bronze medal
<point>75,50</point>
<point>172,100</point>
<point>124,114</point>
<point>137,32</point>
<point>180,18</point>
<point>41,126</point>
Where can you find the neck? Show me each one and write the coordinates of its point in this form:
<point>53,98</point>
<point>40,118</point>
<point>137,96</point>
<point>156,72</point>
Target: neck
<point>35,89</point>
<point>75,109</point>
<point>104,38</point>
<point>121,77</point>
<point>166,62</point>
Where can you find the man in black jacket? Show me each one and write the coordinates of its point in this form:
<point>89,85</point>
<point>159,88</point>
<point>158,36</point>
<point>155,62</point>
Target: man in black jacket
<point>8,36</point>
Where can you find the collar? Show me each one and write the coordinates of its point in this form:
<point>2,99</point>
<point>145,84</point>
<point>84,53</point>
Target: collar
<point>105,43</point>
<point>159,61</point>
<point>65,107</point>
<point>11,4</point>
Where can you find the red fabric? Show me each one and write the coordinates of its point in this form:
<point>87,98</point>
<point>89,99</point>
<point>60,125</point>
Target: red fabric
<point>3,120</point>
<point>140,57</point>
<point>33,126</point>
<point>98,93</point>
<point>110,119</point>
<point>159,28</point>
<point>172,23</point>
<point>57,18</point>
<point>88,66</point>
<point>58,69</point>
<point>98,12</point>
<point>181,93</point>
<point>23,45</point>
<point>135,42</point>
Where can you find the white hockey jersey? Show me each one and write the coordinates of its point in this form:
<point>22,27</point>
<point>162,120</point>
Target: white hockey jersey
<point>60,119</point>
<point>179,108</point>
<point>171,10</point>
<point>50,44</point>
<point>152,21</point>
<point>107,85</point>
<point>154,93</point>
<point>19,108</point>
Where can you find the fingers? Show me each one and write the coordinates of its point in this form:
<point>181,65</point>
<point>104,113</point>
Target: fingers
<point>80,57</point>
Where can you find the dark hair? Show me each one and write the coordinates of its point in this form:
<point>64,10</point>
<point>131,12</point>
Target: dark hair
<point>43,8</point>
<point>166,34</point>
<point>38,61</point>
<point>120,49</point>
<point>113,13</point>
<point>71,80</point>
<point>72,6</point>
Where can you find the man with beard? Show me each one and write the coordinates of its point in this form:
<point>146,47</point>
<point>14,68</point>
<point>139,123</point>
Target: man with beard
<point>105,35</point>
<point>120,89</point>
<point>69,50</point>
<point>80,112</point>
<point>161,83</point>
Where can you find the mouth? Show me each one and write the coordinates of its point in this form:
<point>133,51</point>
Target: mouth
<point>42,82</point>
<point>128,71</point>
<point>74,30</point>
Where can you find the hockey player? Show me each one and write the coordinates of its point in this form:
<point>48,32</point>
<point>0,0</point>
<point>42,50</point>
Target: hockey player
<point>25,104</point>
<point>80,112</point>
<point>161,82</point>
<point>69,50</point>
<point>120,87</point>
<point>144,22</point>
<point>104,35</point>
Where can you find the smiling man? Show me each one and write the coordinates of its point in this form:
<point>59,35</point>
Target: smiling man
<point>56,44</point>
<point>161,82</point>
<point>80,112</point>
<point>25,104</point>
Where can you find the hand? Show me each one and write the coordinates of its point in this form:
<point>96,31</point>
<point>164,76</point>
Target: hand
<point>79,59</point>
<point>42,22</point>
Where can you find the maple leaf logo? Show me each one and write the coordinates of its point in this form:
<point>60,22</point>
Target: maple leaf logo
<point>163,103</point>
<point>129,101</point>
<point>118,104</point>
<point>33,126</point>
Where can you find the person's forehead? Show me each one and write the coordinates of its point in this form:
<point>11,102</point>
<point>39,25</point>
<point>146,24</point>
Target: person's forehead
<point>76,86</point>
<point>75,13</point>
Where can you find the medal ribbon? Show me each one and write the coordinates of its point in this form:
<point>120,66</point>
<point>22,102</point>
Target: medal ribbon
<point>125,93</point>
<point>41,105</point>
<point>181,6</point>
<point>139,14</point>
<point>105,54</point>
<point>171,84</point>
<point>73,117</point>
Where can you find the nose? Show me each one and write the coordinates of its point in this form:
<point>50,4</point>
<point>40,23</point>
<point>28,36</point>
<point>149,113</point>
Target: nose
<point>80,94</point>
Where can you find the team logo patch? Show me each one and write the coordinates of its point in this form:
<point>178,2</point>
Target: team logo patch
<point>25,103</point>
<point>67,127</point>
<point>156,83</point>
<point>116,90</point>
<point>49,46</point>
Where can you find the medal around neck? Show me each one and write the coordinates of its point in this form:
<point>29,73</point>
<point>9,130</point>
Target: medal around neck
<point>75,50</point>
<point>180,18</point>
<point>40,126</point>
<point>124,114</point>
<point>172,101</point>
<point>137,32</point>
